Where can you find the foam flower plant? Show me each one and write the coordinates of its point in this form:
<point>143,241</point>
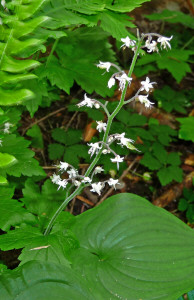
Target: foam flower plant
<point>76,181</point>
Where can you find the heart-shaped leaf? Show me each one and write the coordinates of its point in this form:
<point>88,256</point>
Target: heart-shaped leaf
<point>133,250</point>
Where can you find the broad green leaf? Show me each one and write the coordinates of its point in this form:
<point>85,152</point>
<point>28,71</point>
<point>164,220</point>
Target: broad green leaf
<point>134,250</point>
<point>45,281</point>
<point>26,164</point>
<point>12,97</point>
<point>186,131</point>
<point>7,160</point>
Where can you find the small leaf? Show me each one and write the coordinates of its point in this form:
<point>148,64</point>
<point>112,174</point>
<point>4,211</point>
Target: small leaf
<point>35,133</point>
<point>12,65</point>
<point>149,161</point>
<point>183,204</point>
<point>7,160</point>
<point>12,97</point>
<point>186,132</point>
<point>56,151</point>
<point>3,181</point>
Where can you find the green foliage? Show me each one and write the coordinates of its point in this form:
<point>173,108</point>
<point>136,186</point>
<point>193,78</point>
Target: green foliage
<point>171,16</point>
<point>12,211</point>
<point>71,139</point>
<point>186,130</point>
<point>15,44</point>
<point>44,202</point>
<point>35,133</point>
<point>25,163</point>
<point>106,253</point>
<point>170,99</point>
<point>187,204</point>
<point>176,61</point>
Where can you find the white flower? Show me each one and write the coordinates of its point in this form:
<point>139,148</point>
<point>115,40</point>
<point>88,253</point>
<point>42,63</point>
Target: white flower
<point>77,183</point>
<point>105,151</point>
<point>104,65</point>
<point>128,42</point>
<point>96,105</point>
<point>111,82</point>
<point>98,170</point>
<point>117,159</point>
<point>97,187</point>
<point>152,47</point>
<point>110,138</point>
<point>7,125</point>
<point>144,100</point>
<point>72,173</point>
<point>147,85</point>
<point>55,178</point>
<point>164,42</point>
<point>122,81</point>
<point>86,102</point>
<point>123,140</point>
<point>87,180</point>
<point>63,166</point>
<point>94,148</point>
<point>3,3</point>
<point>101,126</point>
<point>1,142</point>
<point>62,183</point>
<point>112,182</point>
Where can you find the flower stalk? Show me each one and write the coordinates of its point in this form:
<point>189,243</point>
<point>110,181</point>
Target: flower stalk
<point>103,146</point>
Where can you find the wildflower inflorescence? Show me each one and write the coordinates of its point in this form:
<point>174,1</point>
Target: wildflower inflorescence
<point>103,147</point>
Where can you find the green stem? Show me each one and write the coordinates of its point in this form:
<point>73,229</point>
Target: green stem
<point>188,43</point>
<point>93,164</point>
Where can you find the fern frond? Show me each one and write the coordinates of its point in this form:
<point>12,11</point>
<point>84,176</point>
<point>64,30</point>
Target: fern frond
<point>16,47</point>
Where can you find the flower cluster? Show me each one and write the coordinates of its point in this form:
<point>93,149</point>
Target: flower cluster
<point>76,179</point>
<point>152,45</point>
<point>6,127</point>
<point>104,146</point>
